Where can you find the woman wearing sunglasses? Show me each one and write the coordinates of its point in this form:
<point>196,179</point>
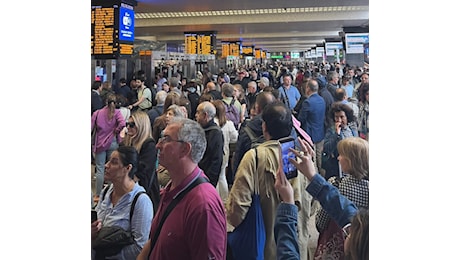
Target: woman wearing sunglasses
<point>108,122</point>
<point>139,136</point>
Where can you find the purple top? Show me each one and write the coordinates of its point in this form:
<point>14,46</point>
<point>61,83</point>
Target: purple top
<point>106,129</point>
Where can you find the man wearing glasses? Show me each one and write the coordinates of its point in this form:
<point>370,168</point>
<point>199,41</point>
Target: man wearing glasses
<point>196,226</point>
<point>213,156</point>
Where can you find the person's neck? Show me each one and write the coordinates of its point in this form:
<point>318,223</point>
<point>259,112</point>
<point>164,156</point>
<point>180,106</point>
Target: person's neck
<point>181,172</point>
<point>120,189</point>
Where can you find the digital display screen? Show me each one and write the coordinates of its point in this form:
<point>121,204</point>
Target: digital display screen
<point>231,49</point>
<point>333,47</point>
<point>126,32</point>
<point>102,31</point>
<point>248,50</point>
<point>354,42</point>
<point>258,53</point>
<point>112,30</point>
<point>200,42</point>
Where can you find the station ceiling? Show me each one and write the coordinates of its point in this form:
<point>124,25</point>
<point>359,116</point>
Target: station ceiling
<point>274,26</point>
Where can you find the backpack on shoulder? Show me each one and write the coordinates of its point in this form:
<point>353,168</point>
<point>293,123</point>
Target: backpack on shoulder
<point>255,140</point>
<point>232,113</point>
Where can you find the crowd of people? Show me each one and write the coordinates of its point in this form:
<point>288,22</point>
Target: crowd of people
<point>196,148</point>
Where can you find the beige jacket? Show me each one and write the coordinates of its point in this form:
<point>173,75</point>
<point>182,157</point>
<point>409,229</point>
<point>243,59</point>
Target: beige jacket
<point>240,197</point>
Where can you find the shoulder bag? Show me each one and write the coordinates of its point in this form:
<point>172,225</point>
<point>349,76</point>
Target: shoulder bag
<point>111,240</point>
<point>247,241</point>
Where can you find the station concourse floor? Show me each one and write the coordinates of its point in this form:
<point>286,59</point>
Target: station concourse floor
<point>311,223</point>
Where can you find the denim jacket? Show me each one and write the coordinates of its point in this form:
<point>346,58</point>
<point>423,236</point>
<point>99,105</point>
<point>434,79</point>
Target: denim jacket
<point>287,246</point>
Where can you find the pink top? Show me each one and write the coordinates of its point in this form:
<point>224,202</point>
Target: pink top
<point>106,129</point>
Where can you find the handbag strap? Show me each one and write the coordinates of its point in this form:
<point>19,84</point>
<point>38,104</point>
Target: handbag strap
<point>133,203</point>
<point>256,177</point>
<point>170,207</point>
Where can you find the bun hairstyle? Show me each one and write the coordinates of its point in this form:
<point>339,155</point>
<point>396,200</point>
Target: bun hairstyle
<point>129,155</point>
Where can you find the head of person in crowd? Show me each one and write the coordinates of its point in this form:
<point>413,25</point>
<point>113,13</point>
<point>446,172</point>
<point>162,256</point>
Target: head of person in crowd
<point>173,98</point>
<point>160,97</point>
<point>342,113</point>
<point>252,87</point>
<point>287,79</point>
<point>356,245</point>
<point>354,157</point>
<point>364,93</point>
<point>183,140</point>
<point>277,121</point>
<point>165,87</point>
<point>263,83</point>
<point>241,74</point>
<point>340,94</point>
<point>274,91</point>
<point>206,97</point>
<point>174,111</point>
<point>238,92</point>
<point>365,77</point>
<point>205,112</point>
<point>333,77</point>
<point>262,100</point>
<point>210,86</point>
<point>227,90</point>
<point>139,129</point>
<point>111,101</point>
<point>122,101</point>
<point>174,83</point>
<point>97,85</point>
<point>309,87</point>
<point>122,165</point>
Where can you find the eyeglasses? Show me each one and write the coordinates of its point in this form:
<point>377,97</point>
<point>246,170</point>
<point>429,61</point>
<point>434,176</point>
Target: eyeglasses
<point>167,139</point>
<point>130,124</point>
<point>346,230</point>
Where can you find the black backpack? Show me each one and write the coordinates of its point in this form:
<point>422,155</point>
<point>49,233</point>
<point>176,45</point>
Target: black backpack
<point>255,140</point>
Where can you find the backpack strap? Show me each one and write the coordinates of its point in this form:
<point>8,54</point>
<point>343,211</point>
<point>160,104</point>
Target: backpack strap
<point>250,133</point>
<point>133,204</point>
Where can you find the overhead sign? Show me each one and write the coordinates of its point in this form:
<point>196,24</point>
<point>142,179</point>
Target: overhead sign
<point>354,42</point>
<point>200,42</point>
<point>112,30</point>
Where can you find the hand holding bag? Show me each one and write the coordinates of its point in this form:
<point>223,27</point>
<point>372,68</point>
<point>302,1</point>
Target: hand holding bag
<point>247,241</point>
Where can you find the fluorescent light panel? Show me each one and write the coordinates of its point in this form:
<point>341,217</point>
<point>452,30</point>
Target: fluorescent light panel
<point>249,12</point>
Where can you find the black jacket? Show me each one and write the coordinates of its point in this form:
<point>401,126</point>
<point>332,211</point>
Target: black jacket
<point>213,156</point>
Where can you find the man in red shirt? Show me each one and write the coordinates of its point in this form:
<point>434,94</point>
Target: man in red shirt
<point>196,228</point>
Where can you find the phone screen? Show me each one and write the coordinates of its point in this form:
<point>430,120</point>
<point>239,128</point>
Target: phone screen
<point>288,168</point>
<point>93,216</point>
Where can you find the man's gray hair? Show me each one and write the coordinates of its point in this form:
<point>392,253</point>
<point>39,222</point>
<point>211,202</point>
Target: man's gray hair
<point>191,132</point>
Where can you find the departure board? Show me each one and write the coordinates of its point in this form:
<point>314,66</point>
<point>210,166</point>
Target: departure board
<point>225,49</point>
<point>234,49</point>
<point>258,53</point>
<point>108,40</point>
<point>248,50</point>
<point>200,42</point>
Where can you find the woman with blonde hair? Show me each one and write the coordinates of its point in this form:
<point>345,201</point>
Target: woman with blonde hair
<point>354,162</point>
<point>230,136</point>
<point>139,136</point>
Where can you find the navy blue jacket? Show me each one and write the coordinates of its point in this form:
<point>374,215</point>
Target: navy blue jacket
<point>312,115</point>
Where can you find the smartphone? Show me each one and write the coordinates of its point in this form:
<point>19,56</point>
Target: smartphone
<point>93,216</point>
<point>289,169</point>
